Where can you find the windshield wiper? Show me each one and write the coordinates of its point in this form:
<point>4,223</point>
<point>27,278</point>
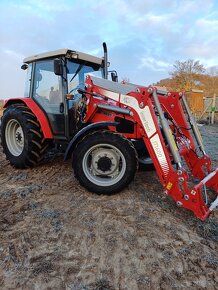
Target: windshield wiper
<point>77,71</point>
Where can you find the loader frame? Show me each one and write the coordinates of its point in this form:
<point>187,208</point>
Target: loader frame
<point>171,138</point>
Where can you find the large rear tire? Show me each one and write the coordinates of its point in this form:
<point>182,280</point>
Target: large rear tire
<point>104,162</point>
<point>22,138</point>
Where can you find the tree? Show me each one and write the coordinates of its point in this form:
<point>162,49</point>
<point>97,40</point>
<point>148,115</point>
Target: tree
<point>211,88</point>
<point>169,83</point>
<point>186,73</point>
<point>210,81</point>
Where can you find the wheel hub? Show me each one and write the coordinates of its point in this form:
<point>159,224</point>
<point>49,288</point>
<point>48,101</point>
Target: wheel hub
<point>104,161</point>
<point>104,164</point>
<point>19,136</point>
<point>14,137</point>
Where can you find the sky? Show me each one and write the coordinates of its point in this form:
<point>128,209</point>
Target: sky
<point>144,37</point>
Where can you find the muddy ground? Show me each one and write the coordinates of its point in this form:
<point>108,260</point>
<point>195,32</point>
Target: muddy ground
<point>56,235</point>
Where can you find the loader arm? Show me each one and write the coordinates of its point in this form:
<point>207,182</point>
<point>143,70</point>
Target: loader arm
<point>173,142</point>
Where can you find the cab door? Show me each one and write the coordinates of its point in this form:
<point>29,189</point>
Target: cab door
<point>47,91</point>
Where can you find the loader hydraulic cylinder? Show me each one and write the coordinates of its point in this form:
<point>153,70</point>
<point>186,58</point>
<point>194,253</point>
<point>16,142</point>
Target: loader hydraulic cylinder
<point>193,125</point>
<point>167,131</point>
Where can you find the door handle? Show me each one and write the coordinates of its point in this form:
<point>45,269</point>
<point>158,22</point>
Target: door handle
<point>61,108</point>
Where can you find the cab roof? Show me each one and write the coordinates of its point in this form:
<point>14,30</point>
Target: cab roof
<point>71,54</point>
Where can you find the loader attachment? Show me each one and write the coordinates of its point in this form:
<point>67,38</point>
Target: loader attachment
<point>191,162</point>
<point>163,121</point>
<point>195,198</point>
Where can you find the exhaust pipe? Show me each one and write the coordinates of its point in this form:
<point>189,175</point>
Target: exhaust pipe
<point>105,61</point>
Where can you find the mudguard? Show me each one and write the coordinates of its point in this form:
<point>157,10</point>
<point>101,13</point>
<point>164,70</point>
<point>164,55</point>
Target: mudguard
<point>41,117</point>
<point>82,133</point>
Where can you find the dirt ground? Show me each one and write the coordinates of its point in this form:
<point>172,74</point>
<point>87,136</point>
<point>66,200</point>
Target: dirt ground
<point>56,235</point>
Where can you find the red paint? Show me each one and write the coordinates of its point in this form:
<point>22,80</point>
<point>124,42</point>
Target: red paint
<point>175,182</point>
<point>36,111</point>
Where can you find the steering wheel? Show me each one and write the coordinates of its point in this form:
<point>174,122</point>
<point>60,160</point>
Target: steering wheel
<point>76,88</point>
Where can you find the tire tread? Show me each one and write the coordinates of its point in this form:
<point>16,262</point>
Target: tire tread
<point>35,144</point>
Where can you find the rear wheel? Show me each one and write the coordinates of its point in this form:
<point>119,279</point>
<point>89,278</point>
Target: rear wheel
<point>104,162</point>
<point>22,138</point>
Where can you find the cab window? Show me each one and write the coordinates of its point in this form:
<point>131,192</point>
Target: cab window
<point>47,86</point>
<point>76,75</point>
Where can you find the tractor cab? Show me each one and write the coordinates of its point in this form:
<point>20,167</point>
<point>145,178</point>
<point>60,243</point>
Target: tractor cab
<point>53,80</point>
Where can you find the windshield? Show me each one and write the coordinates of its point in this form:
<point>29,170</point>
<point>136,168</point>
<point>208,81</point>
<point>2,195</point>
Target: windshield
<point>76,75</point>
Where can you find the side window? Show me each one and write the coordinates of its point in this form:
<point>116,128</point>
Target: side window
<point>47,89</point>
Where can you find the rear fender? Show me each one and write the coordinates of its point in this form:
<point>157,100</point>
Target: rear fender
<point>40,115</point>
<point>86,130</point>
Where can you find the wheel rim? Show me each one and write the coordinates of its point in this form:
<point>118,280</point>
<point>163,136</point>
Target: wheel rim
<point>14,137</point>
<point>104,165</point>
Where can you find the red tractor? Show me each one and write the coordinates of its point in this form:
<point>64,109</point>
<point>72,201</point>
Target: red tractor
<point>108,128</point>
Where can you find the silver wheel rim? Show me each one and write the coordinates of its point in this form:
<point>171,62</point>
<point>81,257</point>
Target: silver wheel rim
<point>104,165</point>
<point>14,137</point>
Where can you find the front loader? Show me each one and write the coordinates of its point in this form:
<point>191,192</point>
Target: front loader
<point>108,129</point>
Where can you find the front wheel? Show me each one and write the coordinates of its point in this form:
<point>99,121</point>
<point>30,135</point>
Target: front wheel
<point>104,162</point>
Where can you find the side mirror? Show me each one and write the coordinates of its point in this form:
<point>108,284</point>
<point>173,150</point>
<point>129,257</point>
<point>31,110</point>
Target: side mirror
<point>58,67</point>
<point>114,76</point>
<point>24,66</point>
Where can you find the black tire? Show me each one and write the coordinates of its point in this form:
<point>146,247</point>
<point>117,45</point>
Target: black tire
<point>145,164</point>
<point>104,162</point>
<point>21,137</point>
<point>144,160</point>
